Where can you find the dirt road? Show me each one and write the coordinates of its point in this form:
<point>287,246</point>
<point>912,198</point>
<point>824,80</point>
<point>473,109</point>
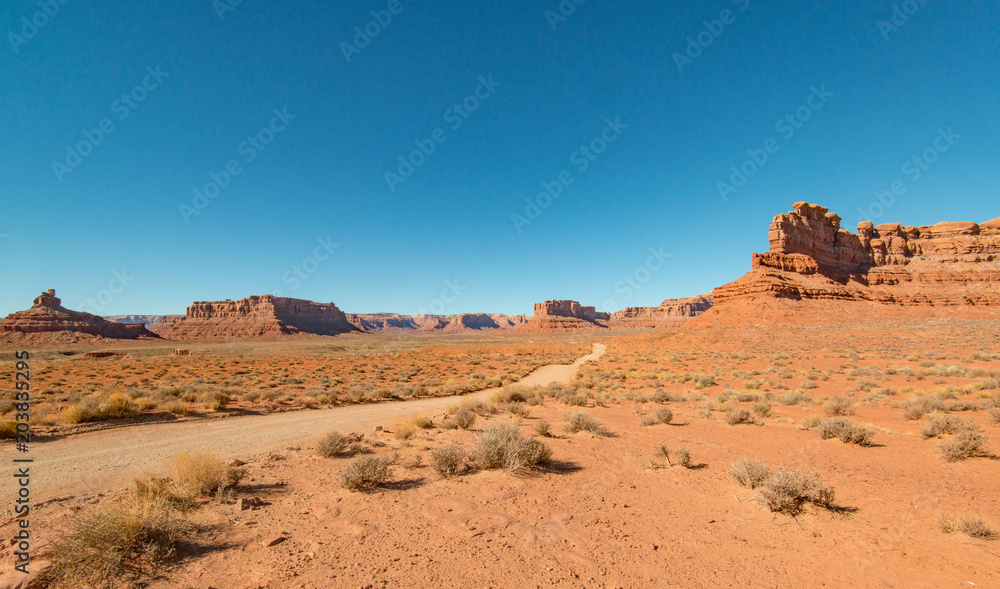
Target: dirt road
<point>105,460</point>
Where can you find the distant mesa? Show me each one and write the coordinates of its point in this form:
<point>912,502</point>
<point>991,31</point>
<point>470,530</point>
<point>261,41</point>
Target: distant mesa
<point>565,315</point>
<point>259,316</point>
<point>48,319</point>
<point>947,267</point>
<point>671,314</point>
<point>158,324</point>
<point>379,322</point>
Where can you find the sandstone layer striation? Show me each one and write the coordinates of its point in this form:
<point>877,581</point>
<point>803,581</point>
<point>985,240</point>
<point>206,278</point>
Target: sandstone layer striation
<point>564,315</point>
<point>671,313</point>
<point>48,319</point>
<point>260,316</point>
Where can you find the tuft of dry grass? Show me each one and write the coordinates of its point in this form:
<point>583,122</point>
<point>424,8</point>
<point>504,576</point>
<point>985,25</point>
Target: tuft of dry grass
<point>117,405</point>
<point>969,525</point>
<point>366,473</point>
<point>203,473</point>
<point>502,447</point>
<point>111,544</point>
<point>332,446</point>
<point>749,473</point>
<point>582,421</point>
<point>448,460</point>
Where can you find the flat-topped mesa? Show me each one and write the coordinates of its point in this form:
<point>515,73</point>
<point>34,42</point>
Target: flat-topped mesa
<point>47,317</point>
<point>813,257</point>
<point>671,313</point>
<point>565,316</point>
<point>260,316</point>
<point>569,309</point>
<point>374,322</point>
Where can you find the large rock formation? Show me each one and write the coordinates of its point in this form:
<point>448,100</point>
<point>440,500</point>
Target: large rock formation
<point>947,265</point>
<point>260,316</point>
<point>671,313</point>
<point>50,320</point>
<point>565,316</point>
<point>376,322</point>
<point>158,324</point>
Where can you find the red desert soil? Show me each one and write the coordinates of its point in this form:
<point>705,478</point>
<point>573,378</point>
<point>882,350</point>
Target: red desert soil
<point>605,511</point>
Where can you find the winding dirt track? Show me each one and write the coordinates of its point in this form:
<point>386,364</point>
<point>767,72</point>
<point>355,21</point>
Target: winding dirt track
<point>105,460</point>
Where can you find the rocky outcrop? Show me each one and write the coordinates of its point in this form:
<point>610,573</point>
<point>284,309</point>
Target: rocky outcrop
<point>671,313</point>
<point>260,316</point>
<point>946,265</point>
<point>565,316</point>
<point>376,322</point>
<point>158,324</point>
<point>47,318</point>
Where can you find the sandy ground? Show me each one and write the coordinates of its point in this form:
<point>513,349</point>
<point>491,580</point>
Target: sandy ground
<point>105,460</point>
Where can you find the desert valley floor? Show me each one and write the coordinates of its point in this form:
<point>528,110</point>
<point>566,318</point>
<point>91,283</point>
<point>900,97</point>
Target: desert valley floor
<point>606,509</point>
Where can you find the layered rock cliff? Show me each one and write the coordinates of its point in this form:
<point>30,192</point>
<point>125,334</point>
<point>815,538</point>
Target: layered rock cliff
<point>47,318</point>
<point>158,324</point>
<point>947,265</point>
<point>671,313</point>
<point>565,315</point>
<point>260,316</point>
<point>376,322</point>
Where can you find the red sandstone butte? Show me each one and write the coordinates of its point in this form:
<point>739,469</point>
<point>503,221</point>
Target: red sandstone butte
<point>48,319</point>
<point>671,313</point>
<point>565,316</point>
<point>950,268</point>
<point>259,316</point>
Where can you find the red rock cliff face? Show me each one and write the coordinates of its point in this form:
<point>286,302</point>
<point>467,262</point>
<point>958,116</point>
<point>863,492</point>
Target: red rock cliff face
<point>376,322</point>
<point>812,257</point>
<point>259,316</point>
<point>671,313</point>
<point>565,316</point>
<point>48,316</point>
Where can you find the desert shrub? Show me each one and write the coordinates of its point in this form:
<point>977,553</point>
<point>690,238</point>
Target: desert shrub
<point>583,421</point>
<point>203,473</point>
<point>464,418</point>
<point>332,446</point>
<point>968,525</point>
<point>995,415</point>
<point>8,430</point>
<point>662,415</point>
<point>747,397</point>
<point>808,384</point>
<point>749,473</point>
<point>115,406</point>
<point>541,428</point>
<point>966,444</point>
<point>214,400</point>
<point>838,406</point>
<point>684,457</point>
<point>942,423</point>
<point>795,398</point>
<point>151,489</point>
<point>366,473</point>
<point>448,460</point>
<point>579,400</point>
<point>761,408</point>
<point>648,421</point>
<point>787,491</point>
<point>704,382</point>
<point>514,408</point>
<point>477,406</point>
<point>110,544</point>
<point>738,416</point>
<point>501,446</point>
<point>913,412</point>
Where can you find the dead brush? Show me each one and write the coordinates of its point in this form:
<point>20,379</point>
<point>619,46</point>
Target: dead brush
<point>845,430</point>
<point>739,416</point>
<point>749,473</point>
<point>838,406</point>
<point>367,473</point>
<point>502,447</point>
<point>968,443</point>
<point>971,526</point>
<point>943,423</point>
<point>582,421</point>
<point>114,544</point>
<point>449,460</point>
<point>333,445</point>
<point>204,473</point>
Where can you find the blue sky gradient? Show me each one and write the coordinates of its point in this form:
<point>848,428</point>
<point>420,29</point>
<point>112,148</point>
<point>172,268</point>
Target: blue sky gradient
<point>187,92</point>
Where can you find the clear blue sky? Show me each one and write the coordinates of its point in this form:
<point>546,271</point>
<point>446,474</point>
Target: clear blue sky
<point>70,220</point>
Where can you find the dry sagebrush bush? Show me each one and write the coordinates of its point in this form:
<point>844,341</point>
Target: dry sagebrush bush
<point>117,405</point>
<point>203,473</point>
<point>749,473</point>
<point>502,447</point>
<point>845,430</point>
<point>838,406</point>
<point>788,491</point>
<point>110,544</point>
<point>448,460</point>
<point>542,428</point>
<point>761,408</point>
<point>943,423</point>
<point>366,473</point>
<point>738,416</point>
<point>332,446</point>
<point>969,525</point>
<point>968,443</point>
<point>582,421</point>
